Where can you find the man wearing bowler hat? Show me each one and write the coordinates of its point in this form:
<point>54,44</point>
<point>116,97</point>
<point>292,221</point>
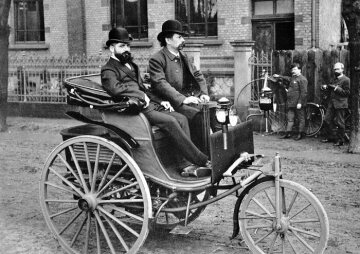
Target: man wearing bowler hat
<point>120,77</point>
<point>175,79</point>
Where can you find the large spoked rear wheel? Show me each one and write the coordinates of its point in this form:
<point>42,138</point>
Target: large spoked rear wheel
<point>314,119</point>
<point>303,228</point>
<point>94,197</point>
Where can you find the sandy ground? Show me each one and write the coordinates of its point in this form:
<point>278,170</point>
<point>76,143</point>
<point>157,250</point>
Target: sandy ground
<point>331,174</point>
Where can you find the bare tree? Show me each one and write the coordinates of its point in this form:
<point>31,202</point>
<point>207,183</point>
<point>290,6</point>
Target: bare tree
<point>4,60</point>
<point>351,15</point>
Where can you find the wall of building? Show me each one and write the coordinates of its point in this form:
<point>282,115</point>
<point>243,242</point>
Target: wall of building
<point>56,33</point>
<point>329,28</point>
<point>303,18</point>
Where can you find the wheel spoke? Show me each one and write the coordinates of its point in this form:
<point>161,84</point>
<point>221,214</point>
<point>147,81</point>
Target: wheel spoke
<point>291,203</point>
<point>69,167</point>
<point>96,167</point>
<point>268,197</point>
<point>304,232</point>
<point>271,247</point>
<point>119,190</point>
<point>88,164</point>
<point>262,238</point>
<point>121,201</point>
<point>97,231</point>
<point>70,222</point>
<point>103,229</point>
<point>258,216</point>
<point>63,212</point>
<point>258,226</point>
<point>290,243</point>
<point>103,211</point>
<point>78,232</point>
<point>107,171</point>
<point>262,206</point>
<point>302,240</point>
<point>127,213</point>
<point>67,182</point>
<point>283,198</point>
<point>62,188</point>
<point>300,211</point>
<point>87,234</point>
<point>117,234</point>
<point>78,169</point>
<point>61,201</point>
<point>304,221</point>
<point>112,179</point>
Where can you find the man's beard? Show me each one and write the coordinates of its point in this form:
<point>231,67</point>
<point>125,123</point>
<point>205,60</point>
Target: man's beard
<point>124,57</point>
<point>181,46</point>
<point>337,74</point>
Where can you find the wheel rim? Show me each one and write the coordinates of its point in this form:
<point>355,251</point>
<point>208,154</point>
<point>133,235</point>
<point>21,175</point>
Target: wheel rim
<point>94,197</point>
<point>313,120</point>
<point>303,228</point>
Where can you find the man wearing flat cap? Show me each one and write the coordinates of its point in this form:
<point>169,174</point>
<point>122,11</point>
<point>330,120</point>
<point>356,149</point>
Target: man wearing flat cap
<point>120,77</point>
<point>175,79</point>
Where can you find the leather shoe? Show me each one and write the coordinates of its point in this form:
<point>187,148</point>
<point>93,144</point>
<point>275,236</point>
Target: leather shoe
<point>198,171</point>
<point>339,143</point>
<point>327,140</point>
<point>188,170</point>
<point>299,136</point>
<point>286,135</point>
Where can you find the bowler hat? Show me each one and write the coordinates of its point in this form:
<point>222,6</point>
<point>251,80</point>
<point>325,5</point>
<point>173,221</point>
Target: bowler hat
<point>171,26</point>
<point>117,35</point>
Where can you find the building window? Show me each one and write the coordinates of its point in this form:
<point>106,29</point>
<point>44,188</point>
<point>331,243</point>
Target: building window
<point>273,25</point>
<point>273,7</point>
<point>29,21</point>
<point>198,16</point>
<point>131,14</point>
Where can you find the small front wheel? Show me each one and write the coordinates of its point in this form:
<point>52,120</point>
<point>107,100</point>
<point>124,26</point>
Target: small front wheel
<point>302,228</point>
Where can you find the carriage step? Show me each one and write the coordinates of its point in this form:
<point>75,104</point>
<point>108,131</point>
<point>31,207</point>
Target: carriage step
<point>181,230</point>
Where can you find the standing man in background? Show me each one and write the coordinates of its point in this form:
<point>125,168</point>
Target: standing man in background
<point>296,100</point>
<point>338,106</point>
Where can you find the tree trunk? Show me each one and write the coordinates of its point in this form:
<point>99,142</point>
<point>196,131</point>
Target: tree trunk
<point>4,60</point>
<point>351,15</point>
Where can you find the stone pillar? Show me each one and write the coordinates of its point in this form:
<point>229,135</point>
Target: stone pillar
<point>193,50</point>
<point>242,75</point>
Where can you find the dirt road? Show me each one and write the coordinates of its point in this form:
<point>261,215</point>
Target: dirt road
<point>332,175</point>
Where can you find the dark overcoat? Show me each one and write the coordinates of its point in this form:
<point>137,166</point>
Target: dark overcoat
<point>119,81</point>
<point>297,91</point>
<point>339,95</point>
<point>164,79</point>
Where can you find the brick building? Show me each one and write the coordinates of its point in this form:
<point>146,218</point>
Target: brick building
<point>67,27</point>
<point>63,28</point>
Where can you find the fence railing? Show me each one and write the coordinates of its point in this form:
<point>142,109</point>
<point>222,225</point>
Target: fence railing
<point>41,79</point>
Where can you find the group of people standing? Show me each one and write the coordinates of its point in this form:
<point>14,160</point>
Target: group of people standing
<point>296,93</point>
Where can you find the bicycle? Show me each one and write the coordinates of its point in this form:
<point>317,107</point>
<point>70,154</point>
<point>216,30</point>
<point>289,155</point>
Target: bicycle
<point>275,112</point>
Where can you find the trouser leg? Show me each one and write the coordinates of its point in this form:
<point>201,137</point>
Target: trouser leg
<point>301,119</point>
<point>196,123</point>
<point>329,122</point>
<point>339,121</point>
<point>290,119</point>
<point>176,126</point>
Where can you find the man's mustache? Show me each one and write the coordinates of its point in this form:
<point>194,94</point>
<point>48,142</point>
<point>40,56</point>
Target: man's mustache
<point>181,45</point>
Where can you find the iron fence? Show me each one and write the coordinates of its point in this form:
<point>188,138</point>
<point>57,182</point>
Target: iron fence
<point>41,79</point>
